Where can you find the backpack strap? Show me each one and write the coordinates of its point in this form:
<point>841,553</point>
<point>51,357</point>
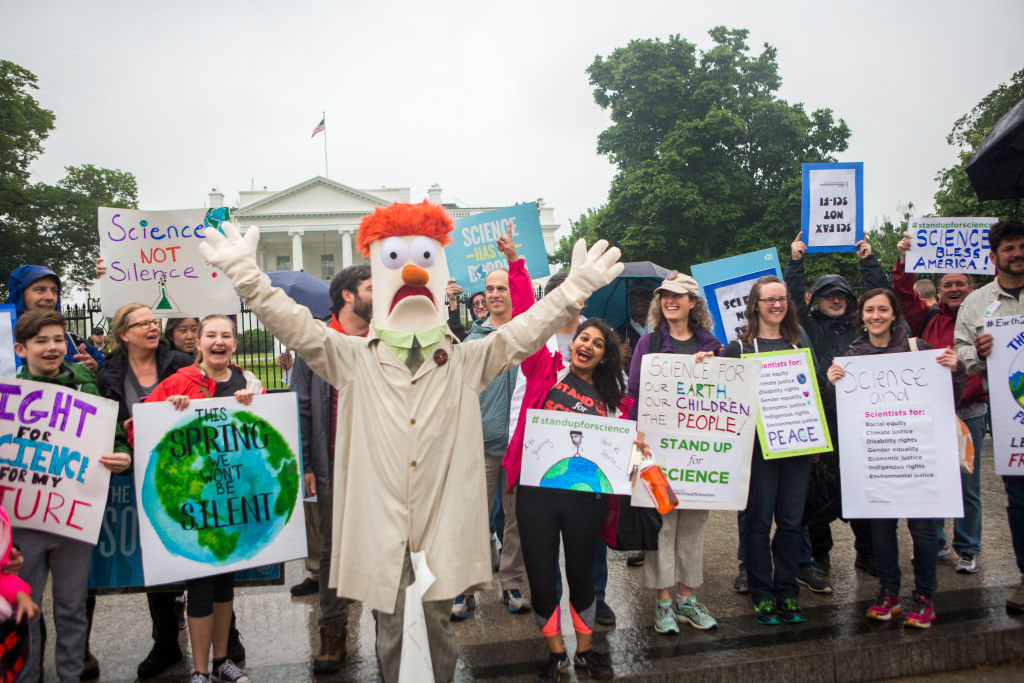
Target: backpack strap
<point>913,343</point>
<point>656,339</point>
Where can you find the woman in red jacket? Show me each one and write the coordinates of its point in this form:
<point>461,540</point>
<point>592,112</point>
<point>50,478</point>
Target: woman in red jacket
<point>210,598</point>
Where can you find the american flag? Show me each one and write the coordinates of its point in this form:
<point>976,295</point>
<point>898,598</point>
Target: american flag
<point>319,128</point>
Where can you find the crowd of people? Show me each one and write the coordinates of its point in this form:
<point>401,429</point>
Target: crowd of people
<point>586,367</point>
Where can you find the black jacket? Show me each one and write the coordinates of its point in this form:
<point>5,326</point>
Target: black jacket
<point>111,376</point>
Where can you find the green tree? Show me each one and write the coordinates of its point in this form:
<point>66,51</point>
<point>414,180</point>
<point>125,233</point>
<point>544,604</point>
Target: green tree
<point>956,196</point>
<point>708,155</point>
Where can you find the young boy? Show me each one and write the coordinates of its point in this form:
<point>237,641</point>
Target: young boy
<point>41,342</point>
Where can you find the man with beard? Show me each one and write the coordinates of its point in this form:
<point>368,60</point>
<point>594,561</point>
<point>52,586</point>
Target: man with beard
<point>935,326</point>
<point>1001,297</point>
<point>351,295</point>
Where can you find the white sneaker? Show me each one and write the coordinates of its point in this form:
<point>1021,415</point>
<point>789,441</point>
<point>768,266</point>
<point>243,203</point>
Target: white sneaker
<point>516,601</point>
<point>461,607</point>
<point>966,563</point>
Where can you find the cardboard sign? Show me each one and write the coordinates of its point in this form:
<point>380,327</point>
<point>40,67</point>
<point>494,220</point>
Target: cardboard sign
<point>473,253</point>
<point>699,420</point>
<point>577,452</point>
<point>726,286</point>
<point>153,257</point>
<point>950,245</point>
<point>51,440</point>
<point>14,649</point>
<point>1006,392</point>
<point>897,434</point>
<point>832,206</point>
<point>9,361</point>
<point>790,419</point>
<point>218,486</point>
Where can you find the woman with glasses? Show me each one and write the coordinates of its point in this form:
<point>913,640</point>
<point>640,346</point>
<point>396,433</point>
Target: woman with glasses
<point>778,487</point>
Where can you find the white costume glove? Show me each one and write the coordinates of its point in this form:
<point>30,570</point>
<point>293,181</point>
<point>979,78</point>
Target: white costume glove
<point>591,270</point>
<point>233,254</point>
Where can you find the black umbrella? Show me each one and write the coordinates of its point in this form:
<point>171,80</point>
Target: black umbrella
<point>611,302</point>
<point>997,169</point>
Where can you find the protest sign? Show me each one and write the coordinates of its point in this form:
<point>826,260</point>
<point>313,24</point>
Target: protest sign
<point>14,649</point>
<point>790,419</point>
<point>1006,392</point>
<point>832,206</point>
<point>699,420</point>
<point>576,451</point>
<point>117,557</point>
<point>473,252</point>
<point>897,434</point>
<point>726,286</point>
<point>9,361</point>
<point>153,257</point>
<point>51,440</point>
<point>950,245</point>
<point>217,486</point>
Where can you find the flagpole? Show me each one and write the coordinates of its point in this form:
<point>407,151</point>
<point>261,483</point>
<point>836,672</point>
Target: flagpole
<point>326,171</point>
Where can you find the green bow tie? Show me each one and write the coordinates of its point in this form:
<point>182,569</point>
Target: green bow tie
<point>411,347</point>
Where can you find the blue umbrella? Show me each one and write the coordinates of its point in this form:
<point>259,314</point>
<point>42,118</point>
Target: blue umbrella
<point>311,292</point>
<point>611,302</point>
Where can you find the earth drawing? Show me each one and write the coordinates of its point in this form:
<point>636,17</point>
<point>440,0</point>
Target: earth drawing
<point>1017,378</point>
<point>576,474</point>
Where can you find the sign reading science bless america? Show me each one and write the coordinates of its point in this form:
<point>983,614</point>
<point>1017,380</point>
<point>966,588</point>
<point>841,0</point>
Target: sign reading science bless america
<point>473,253</point>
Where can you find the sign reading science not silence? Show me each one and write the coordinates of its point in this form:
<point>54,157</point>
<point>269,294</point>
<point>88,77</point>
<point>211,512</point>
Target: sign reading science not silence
<point>217,486</point>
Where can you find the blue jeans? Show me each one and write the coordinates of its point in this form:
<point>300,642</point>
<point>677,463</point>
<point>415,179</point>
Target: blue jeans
<point>778,489</point>
<point>926,554</point>
<point>967,529</point>
<point>1015,515</point>
<point>805,549</point>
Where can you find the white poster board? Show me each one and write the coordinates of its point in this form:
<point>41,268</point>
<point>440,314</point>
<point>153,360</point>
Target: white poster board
<point>577,452</point>
<point>950,245</point>
<point>897,436</point>
<point>1006,392</point>
<point>218,486</point>
<point>153,257</point>
<point>699,420</point>
<point>8,360</point>
<point>51,440</point>
<point>832,199</point>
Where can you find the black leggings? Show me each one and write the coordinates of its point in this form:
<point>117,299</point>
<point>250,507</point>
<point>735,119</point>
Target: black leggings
<point>543,514</point>
<point>202,593</point>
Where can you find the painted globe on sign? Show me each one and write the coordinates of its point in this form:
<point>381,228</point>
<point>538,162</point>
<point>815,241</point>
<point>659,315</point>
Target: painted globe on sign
<point>179,494</point>
<point>576,474</point>
<point>1016,378</point>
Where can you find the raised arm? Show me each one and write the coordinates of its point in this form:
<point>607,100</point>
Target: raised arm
<point>914,307</point>
<point>793,275</point>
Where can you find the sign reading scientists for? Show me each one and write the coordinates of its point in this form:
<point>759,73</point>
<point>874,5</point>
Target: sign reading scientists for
<point>950,245</point>
<point>153,257</point>
<point>473,252</point>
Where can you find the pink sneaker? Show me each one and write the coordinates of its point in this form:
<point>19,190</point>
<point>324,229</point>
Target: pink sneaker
<point>922,613</point>
<point>886,605</point>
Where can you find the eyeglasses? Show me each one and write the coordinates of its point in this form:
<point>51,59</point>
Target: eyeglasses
<point>834,296</point>
<point>145,323</point>
<point>772,300</point>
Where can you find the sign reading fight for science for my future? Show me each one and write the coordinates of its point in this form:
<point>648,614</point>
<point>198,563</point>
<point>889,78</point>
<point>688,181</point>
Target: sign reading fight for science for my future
<point>51,440</point>
<point>217,486</point>
<point>897,434</point>
<point>577,452</point>
<point>473,253</point>
<point>726,286</point>
<point>1006,392</point>
<point>832,206</point>
<point>950,245</point>
<point>791,419</point>
<point>699,420</point>
<point>153,257</point>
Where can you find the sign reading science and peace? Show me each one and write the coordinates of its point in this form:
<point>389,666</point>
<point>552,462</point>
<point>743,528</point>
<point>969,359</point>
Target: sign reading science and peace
<point>473,253</point>
<point>217,486</point>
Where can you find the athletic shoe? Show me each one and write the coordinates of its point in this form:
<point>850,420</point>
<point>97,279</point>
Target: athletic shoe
<point>664,621</point>
<point>885,607</point>
<point>765,613</point>
<point>308,586</point>
<point>517,604</point>
<point>635,560</point>
<point>740,583</point>
<point>554,667</point>
<point>790,612</point>
<point>596,664</point>
<point>1015,603</point>
<point>866,563</point>
<point>693,613</point>
<point>944,551</point>
<point>227,672</point>
<point>922,613</point>
<point>461,607</point>
<point>604,614</point>
<point>814,578</point>
<point>197,677</point>
<point>966,563</point>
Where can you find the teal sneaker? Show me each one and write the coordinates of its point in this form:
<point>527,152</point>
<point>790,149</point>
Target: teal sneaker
<point>790,612</point>
<point>765,613</point>
<point>693,613</point>
<point>664,622</point>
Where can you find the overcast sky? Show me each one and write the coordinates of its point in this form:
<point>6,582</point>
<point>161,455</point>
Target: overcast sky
<point>488,99</point>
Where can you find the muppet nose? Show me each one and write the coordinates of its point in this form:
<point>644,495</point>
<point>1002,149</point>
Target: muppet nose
<point>414,276</point>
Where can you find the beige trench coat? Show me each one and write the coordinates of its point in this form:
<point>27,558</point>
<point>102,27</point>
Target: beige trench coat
<point>408,466</point>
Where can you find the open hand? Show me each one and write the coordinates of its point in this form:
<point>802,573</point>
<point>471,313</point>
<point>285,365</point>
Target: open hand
<point>27,608</point>
<point>231,252</point>
<point>85,359</point>
<point>591,269</point>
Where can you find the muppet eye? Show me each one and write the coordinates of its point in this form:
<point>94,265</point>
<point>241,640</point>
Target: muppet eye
<point>423,251</point>
<point>394,252</point>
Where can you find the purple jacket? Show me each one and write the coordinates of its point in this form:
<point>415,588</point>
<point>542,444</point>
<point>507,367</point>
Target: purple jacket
<point>705,342</point>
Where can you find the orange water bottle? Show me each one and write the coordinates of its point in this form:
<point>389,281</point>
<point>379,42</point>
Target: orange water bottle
<point>657,486</point>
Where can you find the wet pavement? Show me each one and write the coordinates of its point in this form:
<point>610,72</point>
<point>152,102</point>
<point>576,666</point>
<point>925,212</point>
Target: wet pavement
<point>837,643</point>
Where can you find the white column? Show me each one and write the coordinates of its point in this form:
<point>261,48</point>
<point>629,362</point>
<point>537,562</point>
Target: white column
<point>346,248</point>
<point>296,249</point>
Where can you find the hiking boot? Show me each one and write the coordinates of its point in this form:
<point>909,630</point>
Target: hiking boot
<point>693,613</point>
<point>517,604</point>
<point>921,614</point>
<point>308,586</point>
<point>160,659</point>
<point>967,563</point>
<point>90,667</point>
<point>664,620</point>
<point>1015,603</point>
<point>740,583</point>
<point>332,649</point>
<point>866,563</point>
<point>597,665</point>
<point>604,614</point>
<point>554,667</point>
<point>790,612</point>
<point>814,578</point>
<point>885,607</point>
<point>461,607</point>
<point>765,613</point>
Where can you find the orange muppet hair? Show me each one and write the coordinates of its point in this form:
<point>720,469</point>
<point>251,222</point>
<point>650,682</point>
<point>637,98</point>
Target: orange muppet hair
<point>404,219</point>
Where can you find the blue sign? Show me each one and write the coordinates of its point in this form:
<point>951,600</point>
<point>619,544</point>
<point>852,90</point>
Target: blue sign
<point>832,206</point>
<point>473,252</point>
<point>726,286</point>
